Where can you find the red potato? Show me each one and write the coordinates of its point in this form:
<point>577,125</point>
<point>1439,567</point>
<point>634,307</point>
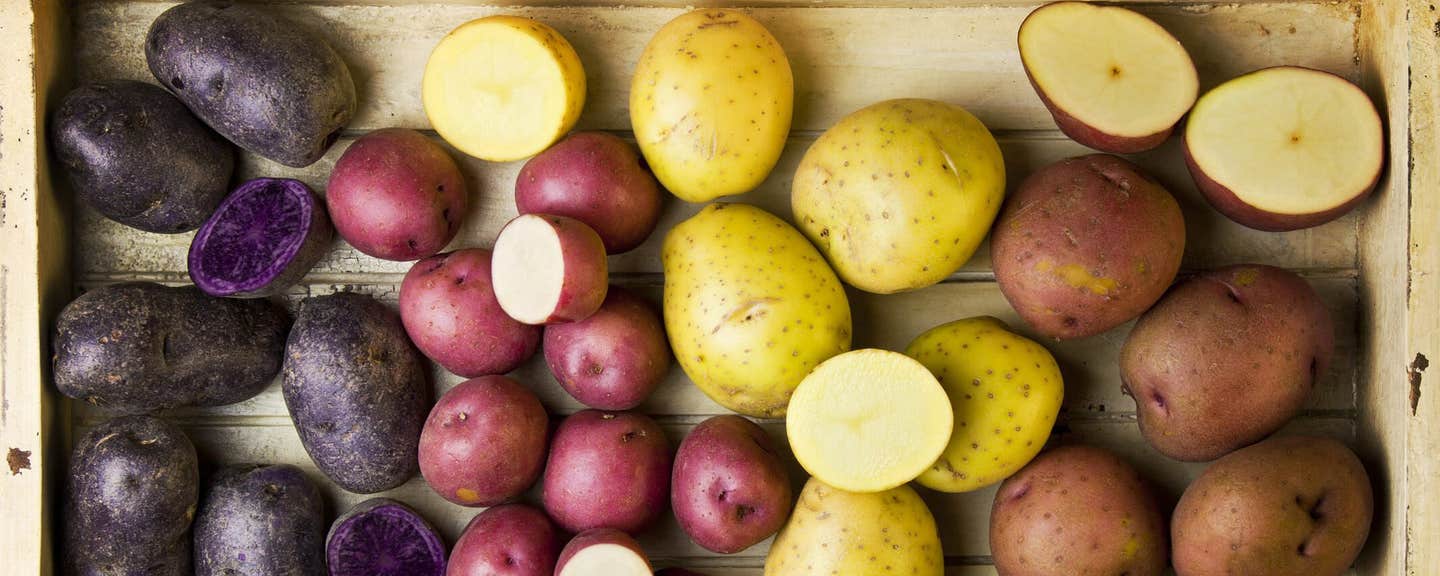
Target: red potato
<point>607,470</point>
<point>484,442</point>
<point>507,540</point>
<point>603,552</point>
<point>614,359</point>
<point>598,179</point>
<point>729,488</point>
<point>448,306</point>
<point>549,269</point>
<point>397,195</point>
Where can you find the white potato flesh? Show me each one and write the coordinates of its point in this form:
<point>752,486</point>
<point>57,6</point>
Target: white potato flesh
<point>528,269</point>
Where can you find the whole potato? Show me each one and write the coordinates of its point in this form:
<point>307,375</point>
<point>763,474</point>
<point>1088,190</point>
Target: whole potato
<point>1077,510</point>
<point>1288,505</point>
<point>607,470</point>
<point>898,195</point>
<point>750,307</point>
<point>484,442</point>
<point>136,155</point>
<point>507,540</point>
<point>129,497</point>
<point>397,195</point>
<point>614,359</point>
<point>262,82</point>
<point>729,487</point>
<point>1086,244</point>
<point>839,533</point>
<point>1225,359</point>
<point>140,347</point>
<point>356,391</point>
<point>448,306</point>
<point>260,521</point>
<point>711,101</point>
<point>598,179</point>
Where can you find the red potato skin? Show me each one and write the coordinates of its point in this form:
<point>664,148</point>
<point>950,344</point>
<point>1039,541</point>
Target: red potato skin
<point>1226,202</point>
<point>1092,137</point>
<point>594,537</point>
<point>607,470</point>
<point>448,306</point>
<point>598,179</point>
<point>1074,510</point>
<point>484,442</point>
<point>507,540</point>
<point>614,359</point>
<point>1101,214</point>
<point>587,274</point>
<point>1226,359</point>
<point>729,488</point>
<point>397,195</point>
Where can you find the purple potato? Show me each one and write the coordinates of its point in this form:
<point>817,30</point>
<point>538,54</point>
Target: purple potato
<point>262,239</point>
<point>260,521</point>
<point>382,537</point>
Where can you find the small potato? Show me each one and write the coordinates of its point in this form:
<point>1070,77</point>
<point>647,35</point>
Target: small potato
<point>614,359</point>
<point>711,101</point>
<point>484,442</point>
<point>261,521</point>
<point>1086,244</point>
<point>448,306</point>
<point>729,487</point>
<point>383,537</point>
<point>549,269</point>
<point>839,533</point>
<point>397,195</point>
<point>1006,392</point>
<point>598,179</point>
<point>1077,510</point>
<point>607,470</point>
<point>507,540</point>
<point>602,552</point>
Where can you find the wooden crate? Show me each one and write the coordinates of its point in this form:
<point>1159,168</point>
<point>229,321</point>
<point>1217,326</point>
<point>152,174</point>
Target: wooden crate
<point>1376,268</point>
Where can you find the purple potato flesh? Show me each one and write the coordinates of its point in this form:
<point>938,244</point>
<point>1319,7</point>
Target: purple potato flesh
<point>263,239</point>
<point>382,537</point>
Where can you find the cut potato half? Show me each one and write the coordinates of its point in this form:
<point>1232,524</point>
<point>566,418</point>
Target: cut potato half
<point>868,420</point>
<point>1114,80</point>
<point>549,269</point>
<point>1285,148</point>
<point>602,552</point>
<point>503,88</point>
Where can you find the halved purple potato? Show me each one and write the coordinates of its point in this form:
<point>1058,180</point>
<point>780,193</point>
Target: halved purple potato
<point>382,537</point>
<point>261,240</point>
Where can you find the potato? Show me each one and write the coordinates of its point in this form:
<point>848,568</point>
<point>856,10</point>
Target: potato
<point>136,155</point>
<point>528,93</point>
<point>1288,505</point>
<point>262,82</point>
<point>607,470</point>
<point>614,359</point>
<point>484,442</point>
<point>1086,244</point>
<point>397,195</point>
<point>549,269</point>
<point>1225,359</point>
<point>356,391</point>
<point>750,307</point>
<point>1077,510</point>
<point>598,179</point>
<point>898,195</point>
<point>508,540</point>
<point>260,521</point>
<point>603,552</point>
<point>1005,391</point>
<point>841,533</point>
<point>129,497</point>
<point>383,537</point>
<point>448,306</point>
<point>710,103</point>
<point>140,347</point>
<point>263,239</point>
<point>729,487</point>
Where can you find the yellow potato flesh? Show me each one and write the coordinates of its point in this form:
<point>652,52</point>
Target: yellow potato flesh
<point>837,533</point>
<point>868,420</point>
<point>503,88</point>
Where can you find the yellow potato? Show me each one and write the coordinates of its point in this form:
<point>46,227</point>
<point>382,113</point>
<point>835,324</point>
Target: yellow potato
<point>503,88</point>
<point>1005,390</point>
<point>750,307</point>
<point>899,194</point>
<point>710,103</point>
<point>868,420</point>
<point>837,533</point>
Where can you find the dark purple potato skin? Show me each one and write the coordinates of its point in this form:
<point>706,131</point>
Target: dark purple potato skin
<point>607,470</point>
<point>397,195</point>
<point>614,359</point>
<point>262,82</point>
<point>135,154</point>
<point>129,497</point>
<point>140,347</point>
<point>507,540</point>
<point>383,537</point>
<point>227,258</point>
<point>260,521</point>
<point>729,488</point>
<point>598,179</point>
<point>356,391</point>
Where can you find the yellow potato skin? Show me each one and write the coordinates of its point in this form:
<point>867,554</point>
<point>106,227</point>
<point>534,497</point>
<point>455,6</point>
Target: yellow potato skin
<point>710,104</point>
<point>898,195</point>
<point>1006,392</point>
<point>750,307</point>
<point>837,533</point>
